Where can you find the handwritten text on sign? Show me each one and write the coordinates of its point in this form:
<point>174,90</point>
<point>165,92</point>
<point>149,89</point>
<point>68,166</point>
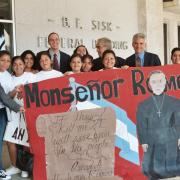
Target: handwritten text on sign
<point>79,145</point>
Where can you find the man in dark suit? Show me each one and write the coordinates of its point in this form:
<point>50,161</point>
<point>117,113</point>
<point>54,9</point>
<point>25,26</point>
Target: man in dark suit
<point>102,45</point>
<point>61,60</point>
<point>141,57</point>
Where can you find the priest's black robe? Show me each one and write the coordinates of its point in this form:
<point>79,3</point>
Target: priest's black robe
<point>162,159</point>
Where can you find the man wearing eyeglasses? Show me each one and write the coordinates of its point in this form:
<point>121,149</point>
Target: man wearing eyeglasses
<point>103,44</point>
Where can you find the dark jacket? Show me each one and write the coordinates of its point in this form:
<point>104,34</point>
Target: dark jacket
<point>150,59</point>
<point>97,63</point>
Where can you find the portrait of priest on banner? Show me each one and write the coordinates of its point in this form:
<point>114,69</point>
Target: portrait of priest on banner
<point>158,128</point>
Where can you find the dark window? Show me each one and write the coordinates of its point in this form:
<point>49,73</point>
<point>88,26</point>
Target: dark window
<point>6,40</point>
<point>178,36</point>
<point>165,43</point>
<point>6,26</point>
<point>5,9</point>
<point>167,0</point>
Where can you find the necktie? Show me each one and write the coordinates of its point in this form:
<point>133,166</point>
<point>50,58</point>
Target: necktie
<point>55,63</point>
<point>138,61</point>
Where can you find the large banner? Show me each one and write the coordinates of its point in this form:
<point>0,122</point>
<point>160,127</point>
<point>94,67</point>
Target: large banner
<point>151,94</point>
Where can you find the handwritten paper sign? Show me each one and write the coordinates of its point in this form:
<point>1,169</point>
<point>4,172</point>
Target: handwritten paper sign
<point>16,130</point>
<point>79,145</point>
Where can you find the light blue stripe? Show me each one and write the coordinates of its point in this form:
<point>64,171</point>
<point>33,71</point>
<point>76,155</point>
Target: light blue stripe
<point>126,152</point>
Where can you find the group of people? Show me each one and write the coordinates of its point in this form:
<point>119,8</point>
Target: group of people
<point>51,63</point>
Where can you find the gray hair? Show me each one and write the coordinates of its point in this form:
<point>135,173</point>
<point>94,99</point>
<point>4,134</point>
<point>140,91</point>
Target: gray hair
<point>105,41</point>
<point>138,35</point>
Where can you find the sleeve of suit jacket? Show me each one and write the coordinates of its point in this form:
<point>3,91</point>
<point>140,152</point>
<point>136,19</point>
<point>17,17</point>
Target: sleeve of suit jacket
<point>157,61</point>
<point>7,101</point>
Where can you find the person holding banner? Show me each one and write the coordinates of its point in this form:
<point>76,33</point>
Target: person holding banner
<point>16,131</point>
<point>75,64</point>
<point>87,63</point>
<point>158,128</point>
<point>46,65</point>
<point>8,102</point>
<point>175,55</point>
<point>109,60</point>
<point>6,83</point>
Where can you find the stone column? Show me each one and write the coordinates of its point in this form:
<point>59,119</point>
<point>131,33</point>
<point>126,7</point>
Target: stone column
<point>150,22</point>
<point>172,21</point>
<point>173,37</point>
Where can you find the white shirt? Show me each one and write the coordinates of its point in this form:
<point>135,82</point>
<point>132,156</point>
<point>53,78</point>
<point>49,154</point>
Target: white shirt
<point>25,78</point>
<point>43,75</point>
<point>108,69</point>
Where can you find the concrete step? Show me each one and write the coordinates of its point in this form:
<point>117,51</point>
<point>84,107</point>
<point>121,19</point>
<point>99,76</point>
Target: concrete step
<point>18,177</point>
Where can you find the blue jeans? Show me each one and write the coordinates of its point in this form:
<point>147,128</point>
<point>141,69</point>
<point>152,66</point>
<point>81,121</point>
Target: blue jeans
<point>3,122</point>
